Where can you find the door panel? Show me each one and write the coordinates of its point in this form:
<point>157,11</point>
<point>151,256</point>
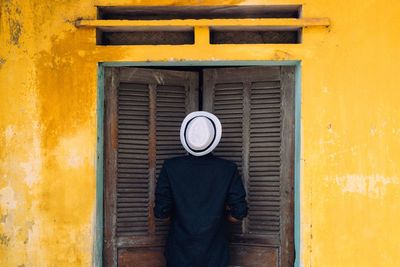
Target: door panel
<point>143,112</point>
<point>144,109</point>
<point>248,255</point>
<point>141,257</point>
<point>256,109</point>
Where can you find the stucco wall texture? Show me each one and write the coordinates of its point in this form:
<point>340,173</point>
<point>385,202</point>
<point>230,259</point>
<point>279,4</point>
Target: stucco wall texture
<point>350,128</point>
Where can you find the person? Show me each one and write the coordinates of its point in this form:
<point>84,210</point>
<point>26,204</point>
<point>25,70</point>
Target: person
<point>199,194</point>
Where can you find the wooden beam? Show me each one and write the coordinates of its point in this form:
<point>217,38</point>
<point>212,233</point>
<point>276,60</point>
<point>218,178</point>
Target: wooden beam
<point>270,22</point>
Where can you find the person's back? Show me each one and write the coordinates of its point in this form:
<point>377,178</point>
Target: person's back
<point>193,191</point>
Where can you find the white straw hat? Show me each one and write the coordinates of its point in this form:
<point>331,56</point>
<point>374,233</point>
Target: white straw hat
<point>200,132</point>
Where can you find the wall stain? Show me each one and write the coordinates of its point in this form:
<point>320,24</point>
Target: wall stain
<point>4,240</point>
<point>15,26</point>
<point>281,55</point>
<point>3,218</point>
<point>15,31</point>
<point>2,62</point>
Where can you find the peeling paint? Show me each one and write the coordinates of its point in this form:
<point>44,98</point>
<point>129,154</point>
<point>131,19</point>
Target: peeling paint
<point>371,186</point>
<point>7,198</point>
<point>33,165</point>
<point>71,150</point>
<point>9,133</point>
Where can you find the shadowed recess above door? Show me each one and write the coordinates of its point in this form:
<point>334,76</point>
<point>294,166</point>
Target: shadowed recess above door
<point>199,12</point>
<point>205,25</point>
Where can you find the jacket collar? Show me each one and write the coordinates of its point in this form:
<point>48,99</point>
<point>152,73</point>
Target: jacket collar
<point>206,156</point>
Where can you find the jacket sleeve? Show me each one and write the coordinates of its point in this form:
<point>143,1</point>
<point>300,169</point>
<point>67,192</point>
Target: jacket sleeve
<point>163,197</point>
<point>236,199</point>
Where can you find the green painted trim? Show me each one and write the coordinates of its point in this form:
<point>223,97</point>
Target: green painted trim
<point>100,117</point>
<point>297,143</point>
<point>98,239</point>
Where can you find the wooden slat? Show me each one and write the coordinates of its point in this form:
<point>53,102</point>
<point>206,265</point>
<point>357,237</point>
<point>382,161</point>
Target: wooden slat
<point>246,139</point>
<point>154,76</point>
<point>152,155</point>
<point>140,241</point>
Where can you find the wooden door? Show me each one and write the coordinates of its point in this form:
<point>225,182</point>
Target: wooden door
<point>143,112</point>
<point>256,109</point>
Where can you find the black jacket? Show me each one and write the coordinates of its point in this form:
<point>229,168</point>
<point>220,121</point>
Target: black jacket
<point>193,191</point>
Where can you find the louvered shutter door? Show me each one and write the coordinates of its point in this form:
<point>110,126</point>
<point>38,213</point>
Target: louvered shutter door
<point>256,109</point>
<point>144,109</point>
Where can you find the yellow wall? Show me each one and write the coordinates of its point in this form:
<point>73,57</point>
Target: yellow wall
<point>350,151</point>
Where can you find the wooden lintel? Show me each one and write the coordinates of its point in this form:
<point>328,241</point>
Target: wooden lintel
<point>269,22</point>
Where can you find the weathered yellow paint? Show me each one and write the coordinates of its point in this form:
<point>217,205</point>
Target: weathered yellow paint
<point>350,150</point>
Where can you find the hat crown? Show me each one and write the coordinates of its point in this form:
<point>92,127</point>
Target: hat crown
<point>199,133</point>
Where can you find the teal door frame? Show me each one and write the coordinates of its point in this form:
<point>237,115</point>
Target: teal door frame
<point>98,238</point>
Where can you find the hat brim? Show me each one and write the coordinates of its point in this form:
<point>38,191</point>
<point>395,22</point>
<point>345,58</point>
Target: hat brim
<point>216,139</point>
